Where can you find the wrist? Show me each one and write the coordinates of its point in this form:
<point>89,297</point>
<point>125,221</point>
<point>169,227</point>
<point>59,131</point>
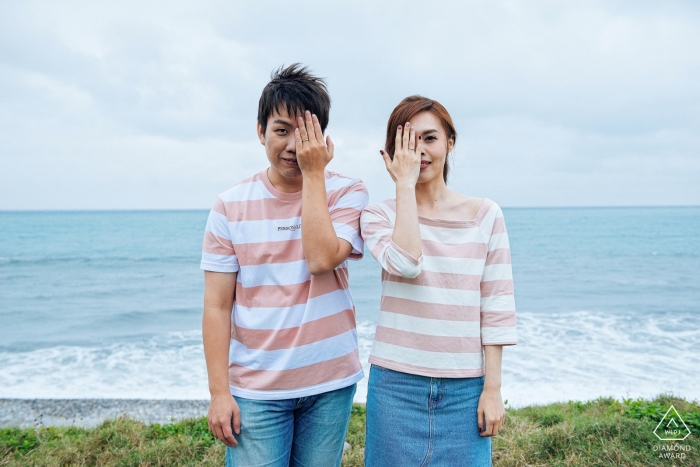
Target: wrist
<point>314,175</point>
<point>405,186</point>
<point>219,392</point>
<point>492,387</point>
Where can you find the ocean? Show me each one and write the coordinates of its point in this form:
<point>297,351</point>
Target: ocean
<point>108,304</point>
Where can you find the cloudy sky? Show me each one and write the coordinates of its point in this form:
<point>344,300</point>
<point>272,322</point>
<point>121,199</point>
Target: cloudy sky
<point>142,105</point>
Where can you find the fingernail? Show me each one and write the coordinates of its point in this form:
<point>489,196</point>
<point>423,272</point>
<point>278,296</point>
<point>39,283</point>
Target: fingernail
<point>399,127</point>
<point>420,137</point>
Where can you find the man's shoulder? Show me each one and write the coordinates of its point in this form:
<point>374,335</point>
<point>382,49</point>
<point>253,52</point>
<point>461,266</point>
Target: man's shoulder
<point>247,189</point>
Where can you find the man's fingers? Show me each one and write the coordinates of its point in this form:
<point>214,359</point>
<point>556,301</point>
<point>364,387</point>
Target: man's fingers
<point>317,129</point>
<point>480,419</point>
<point>236,420</point>
<point>297,137</point>
<point>311,133</point>
<point>301,126</point>
<point>330,146</point>
<point>218,432</point>
<point>229,439</point>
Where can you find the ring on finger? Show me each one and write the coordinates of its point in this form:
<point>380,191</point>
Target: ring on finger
<point>304,140</point>
<point>411,149</point>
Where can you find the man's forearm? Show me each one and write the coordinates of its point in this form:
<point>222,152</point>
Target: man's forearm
<point>216,336</point>
<point>318,237</point>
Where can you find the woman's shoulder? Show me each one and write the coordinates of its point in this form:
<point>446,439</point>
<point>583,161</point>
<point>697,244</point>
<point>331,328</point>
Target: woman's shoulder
<point>389,204</point>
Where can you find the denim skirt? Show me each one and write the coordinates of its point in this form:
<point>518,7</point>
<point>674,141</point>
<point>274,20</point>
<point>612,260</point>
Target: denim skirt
<point>417,421</point>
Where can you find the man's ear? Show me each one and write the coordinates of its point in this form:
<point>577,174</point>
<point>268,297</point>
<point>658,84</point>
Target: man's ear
<point>261,134</point>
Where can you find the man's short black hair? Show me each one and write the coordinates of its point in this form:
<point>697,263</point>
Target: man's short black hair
<point>294,89</point>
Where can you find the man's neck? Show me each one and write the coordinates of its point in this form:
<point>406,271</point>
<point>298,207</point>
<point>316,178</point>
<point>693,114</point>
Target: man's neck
<point>284,184</point>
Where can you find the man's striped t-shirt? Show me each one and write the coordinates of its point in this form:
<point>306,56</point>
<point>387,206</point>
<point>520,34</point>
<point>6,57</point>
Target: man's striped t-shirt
<point>437,311</point>
<point>292,334</point>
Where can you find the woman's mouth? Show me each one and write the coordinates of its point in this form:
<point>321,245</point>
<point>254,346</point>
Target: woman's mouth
<point>424,164</point>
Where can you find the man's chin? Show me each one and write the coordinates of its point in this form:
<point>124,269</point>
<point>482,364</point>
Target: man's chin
<point>288,172</point>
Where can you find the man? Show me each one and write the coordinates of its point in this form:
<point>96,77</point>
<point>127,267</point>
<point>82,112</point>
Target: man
<point>279,323</point>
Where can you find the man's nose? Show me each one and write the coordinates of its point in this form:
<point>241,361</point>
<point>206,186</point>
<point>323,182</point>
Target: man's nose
<point>292,144</point>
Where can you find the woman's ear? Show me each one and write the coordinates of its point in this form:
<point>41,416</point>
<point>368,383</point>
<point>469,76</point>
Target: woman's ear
<point>450,145</point>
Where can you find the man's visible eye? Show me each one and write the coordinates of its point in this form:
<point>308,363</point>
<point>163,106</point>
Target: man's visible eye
<point>281,131</point>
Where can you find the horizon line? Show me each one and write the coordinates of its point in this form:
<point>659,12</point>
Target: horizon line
<point>76,210</point>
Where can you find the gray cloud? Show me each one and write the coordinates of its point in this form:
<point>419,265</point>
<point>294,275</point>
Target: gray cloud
<point>153,105</point>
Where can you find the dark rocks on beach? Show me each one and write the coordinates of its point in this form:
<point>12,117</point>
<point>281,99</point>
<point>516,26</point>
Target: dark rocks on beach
<point>26,413</point>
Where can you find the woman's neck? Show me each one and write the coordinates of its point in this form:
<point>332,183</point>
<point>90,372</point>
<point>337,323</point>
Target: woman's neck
<point>430,194</point>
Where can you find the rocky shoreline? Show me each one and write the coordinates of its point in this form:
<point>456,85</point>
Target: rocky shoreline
<point>26,413</point>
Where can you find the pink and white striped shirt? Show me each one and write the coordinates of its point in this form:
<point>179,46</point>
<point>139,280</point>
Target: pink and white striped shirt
<point>437,311</point>
<point>292,334</point>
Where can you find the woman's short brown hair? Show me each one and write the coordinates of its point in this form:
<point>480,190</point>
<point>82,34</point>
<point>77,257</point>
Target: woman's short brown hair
<point>409,108</point>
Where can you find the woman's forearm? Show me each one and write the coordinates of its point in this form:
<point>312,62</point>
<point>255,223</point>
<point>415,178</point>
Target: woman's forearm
<point>493,355</point>
<point>406,229</point>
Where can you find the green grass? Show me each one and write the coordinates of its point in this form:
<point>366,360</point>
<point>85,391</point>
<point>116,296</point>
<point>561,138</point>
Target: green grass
<point>604,432</point>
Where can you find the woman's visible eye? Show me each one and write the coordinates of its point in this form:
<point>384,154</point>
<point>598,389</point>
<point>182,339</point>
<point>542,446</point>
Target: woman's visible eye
<point>431,138</point>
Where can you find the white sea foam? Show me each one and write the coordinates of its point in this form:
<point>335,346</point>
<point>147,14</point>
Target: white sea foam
<point>580,356</point>
<point>171,367</point>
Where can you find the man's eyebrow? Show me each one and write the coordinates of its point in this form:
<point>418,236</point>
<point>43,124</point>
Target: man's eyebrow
<point>282,122</point>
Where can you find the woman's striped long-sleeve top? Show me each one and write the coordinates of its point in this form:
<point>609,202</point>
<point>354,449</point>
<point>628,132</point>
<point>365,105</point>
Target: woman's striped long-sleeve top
<point>438,310</point>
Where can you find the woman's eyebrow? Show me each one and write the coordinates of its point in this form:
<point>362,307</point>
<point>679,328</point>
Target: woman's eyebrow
<point>429,131</point>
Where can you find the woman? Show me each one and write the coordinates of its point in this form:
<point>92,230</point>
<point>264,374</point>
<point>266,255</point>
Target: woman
<point>447,293</point>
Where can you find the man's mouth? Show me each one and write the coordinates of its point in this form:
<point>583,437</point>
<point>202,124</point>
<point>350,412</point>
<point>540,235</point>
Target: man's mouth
<point>290,161</point>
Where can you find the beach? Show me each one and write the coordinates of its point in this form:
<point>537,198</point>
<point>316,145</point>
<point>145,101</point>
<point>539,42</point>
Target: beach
<point>27,413</point>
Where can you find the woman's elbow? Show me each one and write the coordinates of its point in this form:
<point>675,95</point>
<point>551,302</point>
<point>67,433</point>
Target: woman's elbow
<point>407,271</point>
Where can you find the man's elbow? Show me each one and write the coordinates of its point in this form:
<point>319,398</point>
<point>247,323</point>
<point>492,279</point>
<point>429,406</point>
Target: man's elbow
<point>319,268</point>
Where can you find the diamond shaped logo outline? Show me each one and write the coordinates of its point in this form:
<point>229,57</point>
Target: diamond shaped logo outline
<point>675,415</point>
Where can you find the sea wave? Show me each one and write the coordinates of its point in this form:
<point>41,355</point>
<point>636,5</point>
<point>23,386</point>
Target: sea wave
<point>564,356</point>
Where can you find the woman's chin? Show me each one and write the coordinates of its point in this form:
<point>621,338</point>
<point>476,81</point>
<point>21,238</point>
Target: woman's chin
<point>427,175</point>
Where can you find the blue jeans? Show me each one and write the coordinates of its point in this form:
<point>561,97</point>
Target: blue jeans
<point>417,421</point>
<point>306,431</point>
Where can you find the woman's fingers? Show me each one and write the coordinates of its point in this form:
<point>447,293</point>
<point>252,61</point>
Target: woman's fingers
<point>387,160</point>
<point>387,163</point>
<point>399,138</point>
<point>419,146</point>
<point>406,135</point>
<point>412,140</point>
